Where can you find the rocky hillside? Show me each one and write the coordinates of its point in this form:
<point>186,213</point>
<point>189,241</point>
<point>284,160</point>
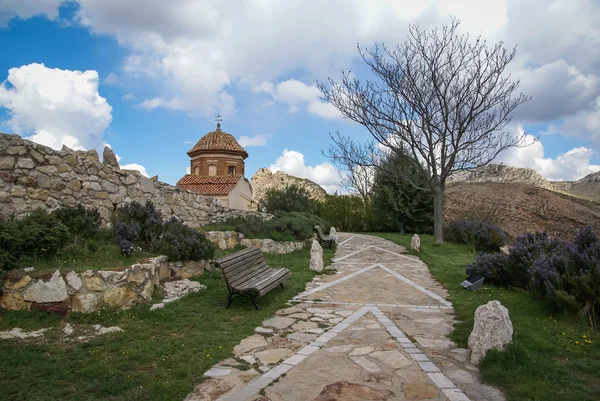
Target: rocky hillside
<point>264,179</point>
<point>502,173</point>
<point>521,208</point>
<point>587,188</point>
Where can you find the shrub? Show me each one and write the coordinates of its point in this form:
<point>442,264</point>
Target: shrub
<point>482,236</point>
<point>40,234</point>
<point>346,212</point>
<point>148,220</point>
<point>282,227</point>
<point>82,223</point>
<point>92,246</point>
<point>180,242</point>
<point>568,274</point>
<point>292,198</point>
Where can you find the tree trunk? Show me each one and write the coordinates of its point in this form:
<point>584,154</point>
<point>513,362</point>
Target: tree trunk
<point>438,214</point>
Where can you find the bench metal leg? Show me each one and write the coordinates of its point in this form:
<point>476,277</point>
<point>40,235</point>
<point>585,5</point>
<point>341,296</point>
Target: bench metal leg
<point>281,284</point>
<point>252,298</point>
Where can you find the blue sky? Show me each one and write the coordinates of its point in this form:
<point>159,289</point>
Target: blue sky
<point>147,77</point>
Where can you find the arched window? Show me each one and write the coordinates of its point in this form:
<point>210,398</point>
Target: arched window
<point>212,170</point>
<point>231,170</point>
<point>197,170</point>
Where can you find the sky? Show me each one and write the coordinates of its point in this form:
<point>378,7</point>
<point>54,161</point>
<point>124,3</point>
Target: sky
<point>147,77</point>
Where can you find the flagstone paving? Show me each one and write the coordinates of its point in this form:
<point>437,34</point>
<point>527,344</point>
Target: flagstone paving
<point>376,330</point>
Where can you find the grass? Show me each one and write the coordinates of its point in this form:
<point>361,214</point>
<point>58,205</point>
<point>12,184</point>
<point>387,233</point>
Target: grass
<point>80,258</point>
<point>161,355</point>
<point>548,360</point>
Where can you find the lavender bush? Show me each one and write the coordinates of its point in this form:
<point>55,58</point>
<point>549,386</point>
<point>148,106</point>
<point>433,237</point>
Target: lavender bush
<point>481,235</point>
<point>566,273</point>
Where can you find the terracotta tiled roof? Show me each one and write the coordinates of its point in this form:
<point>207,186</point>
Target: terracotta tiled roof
<point>220,141</point>
<point>215,185</point>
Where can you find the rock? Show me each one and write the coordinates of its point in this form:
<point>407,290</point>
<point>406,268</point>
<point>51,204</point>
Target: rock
<point>209,390</point>
<point>274,355</point>
<point>302,337</point>
<point>159,305</point>
<point>278,322</point>
<point>460,376</point>
<point>415,243</point>
<point>333,234</point>
<point>366,364</point>
<point>84,303</point>
<point>106,330</point>
<point>19,333</point>
<point>217,372</point>
<point>109,158</point>
<point>316,257</point>
<point>25,163</point>
<point>392,359</point>
<point>74,280</point>
<point>339,348</point>
<point>28,269</point>
<point>362,351</point>
<point>180,288</point>
<point>264,180</point>
<point>301,326</point>
<point>120,297</point>
<point>68,329</point>
<point>302,316</point>
<point>7,163</point>
<point>505,249</point>
<point>419,391</point>
<point>94,283</point>
<point>250,343</point>
<point>54,290</point>
<point>492,330</point>
<point>411,376</point>
<point>15,285</point>
<point>248,375</point>
<point>249,359</point>
<point>344,391</point>
<point>13,301</point>
<point>263,330</point>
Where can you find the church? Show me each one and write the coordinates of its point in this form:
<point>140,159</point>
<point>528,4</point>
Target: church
<point>217,170</point>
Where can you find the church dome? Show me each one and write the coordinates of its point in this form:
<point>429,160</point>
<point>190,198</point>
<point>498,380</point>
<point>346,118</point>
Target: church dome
<point>218,141</point>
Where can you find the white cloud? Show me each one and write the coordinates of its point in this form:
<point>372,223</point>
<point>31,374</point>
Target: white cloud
<point>135,166</point>
<point>188,142</point>
<point>256,140</point>
<point>129,96</point>
<point>24,9</point>
<point>297,95</point>
<point>568,166</point>
<point>56,107</point>
<point>292,163</point>
<point>111,79</point>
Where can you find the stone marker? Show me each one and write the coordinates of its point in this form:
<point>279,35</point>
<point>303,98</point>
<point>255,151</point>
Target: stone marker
<point>492,330</point>
<point>316,257</point>
<point>333,234</point>
<point>415,243</point>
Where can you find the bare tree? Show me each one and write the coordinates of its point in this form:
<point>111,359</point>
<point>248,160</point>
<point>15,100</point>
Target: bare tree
<point>440,99</point>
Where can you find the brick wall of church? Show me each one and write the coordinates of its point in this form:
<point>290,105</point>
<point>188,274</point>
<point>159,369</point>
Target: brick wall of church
<point>222,163</point>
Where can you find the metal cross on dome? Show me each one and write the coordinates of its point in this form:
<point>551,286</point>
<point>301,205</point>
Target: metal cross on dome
<point>218,119</point>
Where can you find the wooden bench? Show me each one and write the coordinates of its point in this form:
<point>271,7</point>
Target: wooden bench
<point>247,274</point>
<point>322,238</point>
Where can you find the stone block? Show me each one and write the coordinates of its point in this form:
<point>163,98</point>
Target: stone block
<point>120,297</point>
<point>7,162</point>
<point>16,285</point>
<point>53,290</point>
<point>13,301</point>
<point>85,303</point>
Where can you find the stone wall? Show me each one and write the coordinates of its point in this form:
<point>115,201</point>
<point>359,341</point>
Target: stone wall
<point>231,239</point>
<point>33,176</point>
<point>92,289</point>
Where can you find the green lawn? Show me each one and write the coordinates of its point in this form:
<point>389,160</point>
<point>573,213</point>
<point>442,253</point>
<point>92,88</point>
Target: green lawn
<point>549,359</point>
<point>161,354</point>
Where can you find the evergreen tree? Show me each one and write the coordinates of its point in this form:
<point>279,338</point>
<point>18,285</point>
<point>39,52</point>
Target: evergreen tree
<point>397,204</point>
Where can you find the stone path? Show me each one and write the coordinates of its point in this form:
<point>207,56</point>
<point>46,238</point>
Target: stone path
<point>377,330</point>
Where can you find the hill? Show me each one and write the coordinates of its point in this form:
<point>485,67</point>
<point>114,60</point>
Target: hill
<point>588,187</point>
<point>521,208</point>
<point>264,179</point>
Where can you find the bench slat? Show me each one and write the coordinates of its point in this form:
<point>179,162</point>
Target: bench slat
<point>249,261</point>
<point>236,258</point>
<point>264,281</point>
<point>237,255</point>
<point>254,271</point>
<point>274,284</point>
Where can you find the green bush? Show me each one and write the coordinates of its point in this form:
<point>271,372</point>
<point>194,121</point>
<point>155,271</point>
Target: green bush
<point>144,220</point>
<point>282,227</point>
<point>82,223</point>
<point>41,234</point>
<point>346,212</point>
<point>180,242</point>
<point>292,198</point>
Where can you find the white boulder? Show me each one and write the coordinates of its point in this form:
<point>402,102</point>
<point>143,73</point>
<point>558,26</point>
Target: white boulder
<point>492,330</point>
<point>415,243</point>
<point>53,290</point>
<point>333,234</point>
<point>316,257</point>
